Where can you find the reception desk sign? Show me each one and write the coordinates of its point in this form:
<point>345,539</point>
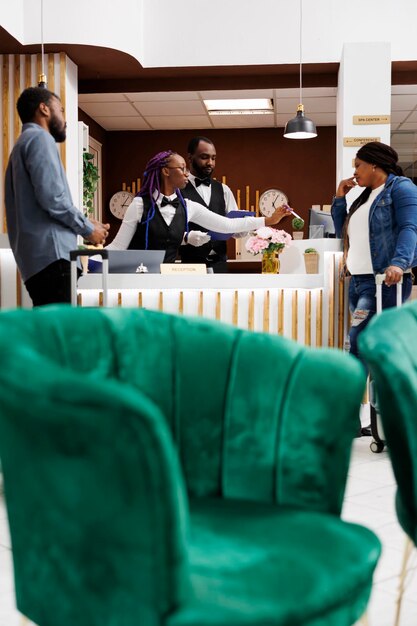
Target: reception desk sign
<point>183,268</point>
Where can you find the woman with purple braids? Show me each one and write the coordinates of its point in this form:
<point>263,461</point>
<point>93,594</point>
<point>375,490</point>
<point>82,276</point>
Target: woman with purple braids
<point>158,216</point>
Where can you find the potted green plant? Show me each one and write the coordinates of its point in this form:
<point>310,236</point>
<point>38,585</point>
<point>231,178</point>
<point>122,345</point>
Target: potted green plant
<point>311,260</point>
<point>90,182</point>
<point>298,225</point>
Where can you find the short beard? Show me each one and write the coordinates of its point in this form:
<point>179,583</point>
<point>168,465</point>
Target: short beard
<point>198,171</point>
<point>59,133</point>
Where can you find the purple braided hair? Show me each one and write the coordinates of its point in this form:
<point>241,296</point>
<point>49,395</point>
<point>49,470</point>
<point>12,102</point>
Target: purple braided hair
<point>151,178</point>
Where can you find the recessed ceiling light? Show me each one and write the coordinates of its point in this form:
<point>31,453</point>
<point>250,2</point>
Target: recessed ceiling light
<point>246,106</point>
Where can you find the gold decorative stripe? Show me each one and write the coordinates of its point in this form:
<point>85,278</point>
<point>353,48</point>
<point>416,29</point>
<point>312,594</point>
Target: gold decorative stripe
<point>319,319</point>
<point>330,341</point>
<point>281,312</point>
<point>6,122</point>
<point>251,311</point>
<point>235,309</point>
<point>140,300</point>
<point>266,312</point>
<point>218,306</point>
<point>100,299</point>
<point>119,298</point>
<point>294,333</point>
<point>63,96</point>
<point>38,67</point>
<point>79,299</point>
<point>307,319</point>
<point>18,289</point>
<point>341,306</point>
<point>161,301</point>
<point>201,304</point>
<point>17,70</point>
<point>181,303</point>
<point>28,71</point>
<point>51,72</point>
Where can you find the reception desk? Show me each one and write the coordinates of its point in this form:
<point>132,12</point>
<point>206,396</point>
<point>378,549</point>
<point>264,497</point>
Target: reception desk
<point>310,308</point>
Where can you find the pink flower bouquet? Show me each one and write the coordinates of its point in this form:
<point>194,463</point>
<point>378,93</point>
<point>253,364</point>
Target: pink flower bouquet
<point>268,239</point>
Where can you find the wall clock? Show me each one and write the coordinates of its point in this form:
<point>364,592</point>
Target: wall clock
<point>270,200</point>
<point>119,203</point>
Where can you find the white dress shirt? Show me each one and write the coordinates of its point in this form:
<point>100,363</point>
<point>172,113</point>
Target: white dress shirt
<point>196,213</point>
<point>205,193</point>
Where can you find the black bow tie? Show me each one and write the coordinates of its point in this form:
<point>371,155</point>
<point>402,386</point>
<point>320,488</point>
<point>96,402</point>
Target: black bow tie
<point>202,181</point>
<point>174,202</point>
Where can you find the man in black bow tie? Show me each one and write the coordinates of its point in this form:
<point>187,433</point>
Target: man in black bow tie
<point>210,193</point>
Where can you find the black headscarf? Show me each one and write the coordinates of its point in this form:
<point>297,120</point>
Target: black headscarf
<point>381,155</point>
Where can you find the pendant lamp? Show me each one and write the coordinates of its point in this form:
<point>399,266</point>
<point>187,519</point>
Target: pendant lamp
<point>42,77</point>
<point>300,127</point>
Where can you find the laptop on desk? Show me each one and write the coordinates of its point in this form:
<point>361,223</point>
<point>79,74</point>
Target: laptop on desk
<point>130,262</point>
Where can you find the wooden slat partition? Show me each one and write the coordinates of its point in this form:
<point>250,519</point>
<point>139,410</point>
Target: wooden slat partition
<point>265,326</point>
<point>294,333</point>
<point>307,319</point>
<point>6,122</point>
<point>319,319</point>
<point>218,306</point>
<point>251,311</point>
<point>330,340</point>
<point>63,97</point>
<point>280,328</point>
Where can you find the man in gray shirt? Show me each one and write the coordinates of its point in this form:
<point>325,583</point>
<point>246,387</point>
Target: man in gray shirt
<point>42,221</point>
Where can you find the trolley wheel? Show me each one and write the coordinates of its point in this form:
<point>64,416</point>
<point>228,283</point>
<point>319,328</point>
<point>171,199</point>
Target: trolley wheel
<point>377,446</point>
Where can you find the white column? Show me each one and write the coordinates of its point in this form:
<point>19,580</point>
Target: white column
<point>364,89</point>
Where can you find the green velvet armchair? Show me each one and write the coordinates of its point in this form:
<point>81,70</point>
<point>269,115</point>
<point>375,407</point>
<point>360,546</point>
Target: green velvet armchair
<point>165,471</point>
<point>389,347</point>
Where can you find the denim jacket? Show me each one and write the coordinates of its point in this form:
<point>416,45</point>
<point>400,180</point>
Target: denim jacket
<point>392,224</point>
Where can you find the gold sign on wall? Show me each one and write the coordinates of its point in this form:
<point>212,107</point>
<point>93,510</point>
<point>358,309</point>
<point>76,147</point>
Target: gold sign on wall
<point>372,119</point>
<point>350,142</point>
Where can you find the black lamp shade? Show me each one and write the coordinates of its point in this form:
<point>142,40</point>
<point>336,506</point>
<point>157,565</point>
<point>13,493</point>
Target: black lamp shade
<point>300,127</point>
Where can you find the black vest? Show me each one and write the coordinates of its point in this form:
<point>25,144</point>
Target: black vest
<point>200,254</point>
<point>160,235</point>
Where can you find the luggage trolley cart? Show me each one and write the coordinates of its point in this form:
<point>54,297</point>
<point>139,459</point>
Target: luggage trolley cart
<point>378,442</point>
<point>74,254</point>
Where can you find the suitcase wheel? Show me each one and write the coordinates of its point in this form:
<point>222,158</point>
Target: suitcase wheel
<point>377,446</point>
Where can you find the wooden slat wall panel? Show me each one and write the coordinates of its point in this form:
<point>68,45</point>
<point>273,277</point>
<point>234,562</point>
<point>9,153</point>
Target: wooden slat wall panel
<point>6,125</point>
<point>62,95</point>
<point>18,73</point>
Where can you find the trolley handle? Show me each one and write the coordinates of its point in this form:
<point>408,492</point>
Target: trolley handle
<point>379,280</point>
<point>74,254</point>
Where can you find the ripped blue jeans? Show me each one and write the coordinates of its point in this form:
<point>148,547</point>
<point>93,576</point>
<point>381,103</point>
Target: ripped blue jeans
<point>362,303</point>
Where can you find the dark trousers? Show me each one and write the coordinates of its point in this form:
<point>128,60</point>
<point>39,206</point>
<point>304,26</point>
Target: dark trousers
<point>52,284</point>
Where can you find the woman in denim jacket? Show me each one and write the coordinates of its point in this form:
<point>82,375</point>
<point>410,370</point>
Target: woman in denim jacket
<point>379,232</point>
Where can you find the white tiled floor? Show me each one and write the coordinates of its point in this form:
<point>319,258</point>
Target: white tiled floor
<point>369,501</point>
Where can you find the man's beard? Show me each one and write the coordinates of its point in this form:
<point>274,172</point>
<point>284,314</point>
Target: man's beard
<point>199,172</point>
<point>57,130</point>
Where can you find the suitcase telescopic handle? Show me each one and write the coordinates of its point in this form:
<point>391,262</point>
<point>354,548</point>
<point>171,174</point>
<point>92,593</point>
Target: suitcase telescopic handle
<point>74,254</point>
<point>379,279</point>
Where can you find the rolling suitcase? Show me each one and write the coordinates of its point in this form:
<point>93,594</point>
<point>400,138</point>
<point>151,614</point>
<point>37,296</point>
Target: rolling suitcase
<point>74,254</point>
<point>378,441</point>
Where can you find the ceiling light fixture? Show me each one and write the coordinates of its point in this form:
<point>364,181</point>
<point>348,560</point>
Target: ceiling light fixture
<point>300,126</point>
<point>42,76</point>
<point>248,106</point>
